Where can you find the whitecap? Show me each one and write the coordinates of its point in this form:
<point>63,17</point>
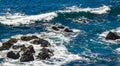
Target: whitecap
<point>18,18</point>
<point>100,10</point>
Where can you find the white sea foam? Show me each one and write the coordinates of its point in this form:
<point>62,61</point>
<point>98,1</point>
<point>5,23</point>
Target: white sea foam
<point>61,54</point>
<point>101,10</point>
<point>18,18</point>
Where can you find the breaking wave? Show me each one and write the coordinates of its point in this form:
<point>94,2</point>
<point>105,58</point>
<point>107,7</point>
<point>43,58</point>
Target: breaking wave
<point>18,18</point>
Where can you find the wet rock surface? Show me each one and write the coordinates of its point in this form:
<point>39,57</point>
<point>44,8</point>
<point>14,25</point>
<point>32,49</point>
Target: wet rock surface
<point>45,54</point>
<point>17,46</point>
<point>28,38</point>
<point>13,55</point>
<point>42,42</point>
<point>6,45</point>
<point>55,28</point>
<point>26,52</point>
<point>27,56</point>
<point>68,30</point>
<point>61,28</point>
<point>112,36</point>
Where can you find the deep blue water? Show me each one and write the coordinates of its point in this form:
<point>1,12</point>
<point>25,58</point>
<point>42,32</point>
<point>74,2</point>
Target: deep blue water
<point>86,43</point>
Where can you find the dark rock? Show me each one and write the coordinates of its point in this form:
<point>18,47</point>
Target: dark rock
<point>12,55</point>
<point>37,42</point>
<point>31,49</point>
<point>27,56</point>
<point>42,42</point>
<point>24,49</point>
<point>68,30</point>
<point>12,40</point>
<point>45,54</point>
<point>61,27</point>
<point>28,38</point>
<point>17,46</point>
<point>55,28</point>
<point>112,36</point>
<point>7,45</point>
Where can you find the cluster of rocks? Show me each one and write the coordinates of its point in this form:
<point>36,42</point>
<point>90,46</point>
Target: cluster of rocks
<point>61,27</point>
<point>24,53</point>
<point>112,36</point>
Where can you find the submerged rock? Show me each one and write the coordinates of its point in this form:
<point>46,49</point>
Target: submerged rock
<point>12,55</point>
<point>42,42</point>
<point>28,38</point>
<point>7,45</point>
<point>45,54</point>
<point>112,36</point>
<point>68,30</point>
<point>55,28</point>
<point>27,56</point>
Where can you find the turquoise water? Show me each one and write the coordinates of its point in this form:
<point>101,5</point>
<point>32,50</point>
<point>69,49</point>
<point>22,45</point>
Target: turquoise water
<point>86,44</point>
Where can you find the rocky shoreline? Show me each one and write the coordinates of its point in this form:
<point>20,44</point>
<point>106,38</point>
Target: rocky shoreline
<point>24,47</point>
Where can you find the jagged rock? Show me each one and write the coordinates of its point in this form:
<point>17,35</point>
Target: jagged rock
<point>68,30</point>
<point>24,49</point>
<point>61,27</point>
<point>27,56</point>
<point>6,45</point>
<point>45,54</point>
<point>55,28</point>
<point>28,38</point>
<point>42,42</point>
<point>31,49</point>
<point>17,46</point>
<point>112,36</point>
<point>12,55</point>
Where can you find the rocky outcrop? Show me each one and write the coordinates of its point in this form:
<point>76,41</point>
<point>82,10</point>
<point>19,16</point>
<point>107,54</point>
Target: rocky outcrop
<point>31,49</point>
<point>12,55</point>
<point>55,28</point>
<point>45,54</point>
<point>112,36</point>
<point>42,42</point>
<point>68,30</point>
<point>27,56</point>
<point>61,28</point>
<point>6,45</point>
<point>28,38</point>
<point>26,52</point>
<point>17,46</point>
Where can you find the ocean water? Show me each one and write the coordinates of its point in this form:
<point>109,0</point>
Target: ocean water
<point>84,48</point>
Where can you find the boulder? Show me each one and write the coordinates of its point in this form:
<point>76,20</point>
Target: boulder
<point>27,56</point>
<point>42,42</point>
<point>12,40</point>
<point>7,45</point>
<point>61,27</point>
<point>12,55</point>
<point>68,30</point>
<point>112,36</point>
<point>31,49</point>
<point>55,28</point>
<point>24,49</point>
<point>28,38</point>
<point>45,54</point>
<point>17,46</point>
